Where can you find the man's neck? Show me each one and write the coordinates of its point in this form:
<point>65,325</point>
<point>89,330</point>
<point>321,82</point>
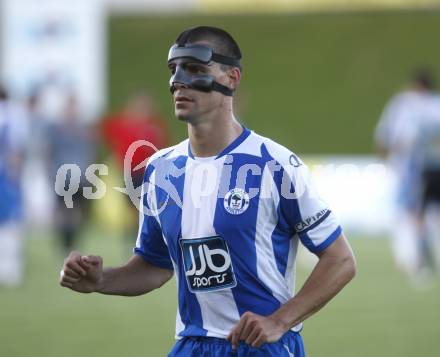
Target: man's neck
<point>211,138</point>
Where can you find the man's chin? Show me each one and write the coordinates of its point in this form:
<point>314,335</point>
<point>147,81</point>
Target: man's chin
<point>182,115</point>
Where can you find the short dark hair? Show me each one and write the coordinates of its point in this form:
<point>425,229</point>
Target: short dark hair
<point>424,78</point>
<point>3,93</point>
<point>221,41</point>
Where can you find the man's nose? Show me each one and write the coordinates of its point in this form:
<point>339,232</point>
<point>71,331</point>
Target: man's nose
<point>178,85</point>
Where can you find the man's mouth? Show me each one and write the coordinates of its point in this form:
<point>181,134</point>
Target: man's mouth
<point>181,98</point>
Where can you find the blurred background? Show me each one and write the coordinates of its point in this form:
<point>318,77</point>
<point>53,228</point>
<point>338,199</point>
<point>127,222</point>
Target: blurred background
<point>80,81</point>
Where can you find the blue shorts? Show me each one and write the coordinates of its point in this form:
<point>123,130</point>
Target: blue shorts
<point>290,345</point>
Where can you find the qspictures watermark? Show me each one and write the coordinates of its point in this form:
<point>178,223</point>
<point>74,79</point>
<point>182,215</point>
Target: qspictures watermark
<point>293,180</point>
<point>69,177</point>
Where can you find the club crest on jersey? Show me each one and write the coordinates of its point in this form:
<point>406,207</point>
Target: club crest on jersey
<point>236,201</point>
<point>207,263</point>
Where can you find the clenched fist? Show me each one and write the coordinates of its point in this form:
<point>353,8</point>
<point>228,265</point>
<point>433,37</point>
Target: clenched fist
<point>82,273</point>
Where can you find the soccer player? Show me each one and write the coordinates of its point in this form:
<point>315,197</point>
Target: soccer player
<point>224,211</point>
<point>408,136</point>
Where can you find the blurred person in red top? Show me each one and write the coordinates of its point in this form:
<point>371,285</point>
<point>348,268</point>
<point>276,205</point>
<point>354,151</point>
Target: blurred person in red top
<point>136,121</point>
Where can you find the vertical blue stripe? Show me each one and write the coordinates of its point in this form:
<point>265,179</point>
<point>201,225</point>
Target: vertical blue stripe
<point>171,175</point>
<point>150,244</point>
<point>250,294</point>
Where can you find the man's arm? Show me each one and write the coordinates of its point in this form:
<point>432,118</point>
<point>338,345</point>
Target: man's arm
<point>336,267</point>
<point>84,273</point>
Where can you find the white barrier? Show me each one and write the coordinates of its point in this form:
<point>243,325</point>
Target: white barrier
<point>359,189</point>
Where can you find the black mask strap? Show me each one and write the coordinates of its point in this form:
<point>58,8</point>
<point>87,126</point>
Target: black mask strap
<point>222,89</point>
<point>216,57</point>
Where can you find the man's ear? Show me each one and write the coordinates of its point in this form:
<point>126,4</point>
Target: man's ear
<point>234,76</point>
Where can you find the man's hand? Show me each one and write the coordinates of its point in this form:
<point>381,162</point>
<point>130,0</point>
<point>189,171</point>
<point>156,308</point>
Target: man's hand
<point>82,273</point>
<point>255,330</point>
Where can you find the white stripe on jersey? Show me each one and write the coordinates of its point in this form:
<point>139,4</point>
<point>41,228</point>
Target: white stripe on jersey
<point>219,310</point>
<point>267,218</point>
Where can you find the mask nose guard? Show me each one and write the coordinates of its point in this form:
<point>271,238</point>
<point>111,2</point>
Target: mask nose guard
<point>202,83</point>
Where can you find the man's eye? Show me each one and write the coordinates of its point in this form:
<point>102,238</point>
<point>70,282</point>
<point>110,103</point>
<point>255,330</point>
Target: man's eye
<point>194,69</point>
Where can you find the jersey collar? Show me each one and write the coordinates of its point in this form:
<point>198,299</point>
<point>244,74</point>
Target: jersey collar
<point>242,137</point>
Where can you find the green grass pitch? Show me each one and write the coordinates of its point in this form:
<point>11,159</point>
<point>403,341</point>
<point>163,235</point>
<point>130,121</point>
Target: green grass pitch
<point>379,314</point>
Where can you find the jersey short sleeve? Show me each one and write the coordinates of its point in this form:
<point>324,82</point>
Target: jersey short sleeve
<point>301,209</point>
<point>150,243</point>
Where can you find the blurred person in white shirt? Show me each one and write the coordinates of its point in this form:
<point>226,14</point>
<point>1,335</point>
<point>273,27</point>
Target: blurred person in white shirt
<point>401,138</point>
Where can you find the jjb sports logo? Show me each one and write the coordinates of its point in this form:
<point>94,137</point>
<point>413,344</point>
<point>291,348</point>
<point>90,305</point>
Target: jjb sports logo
<point>208,265</point>
<point>236,201</point>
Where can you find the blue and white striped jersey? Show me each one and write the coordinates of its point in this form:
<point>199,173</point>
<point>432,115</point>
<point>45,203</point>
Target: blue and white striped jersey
<point>229,227</point>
